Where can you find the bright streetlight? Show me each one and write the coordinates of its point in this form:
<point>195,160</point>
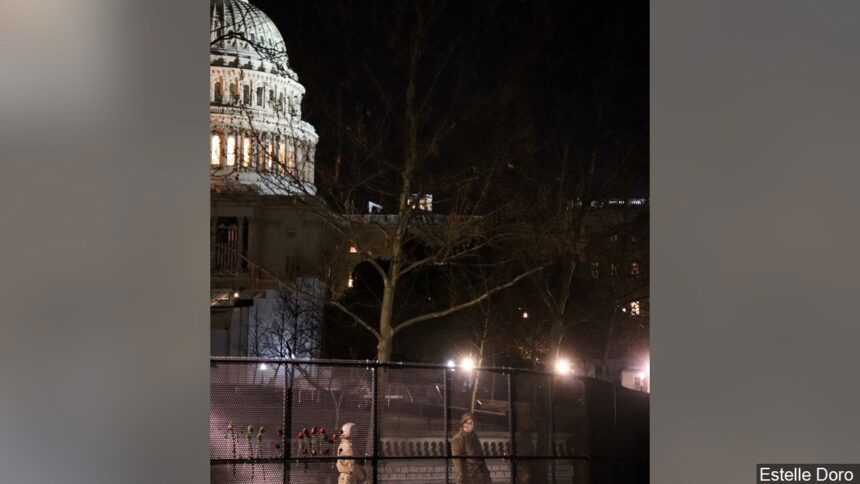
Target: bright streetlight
<point>562,367</point>
<point>467,363</point>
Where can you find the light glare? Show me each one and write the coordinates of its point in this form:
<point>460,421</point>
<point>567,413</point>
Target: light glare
<point>467,364</point>
<point>562,367</point>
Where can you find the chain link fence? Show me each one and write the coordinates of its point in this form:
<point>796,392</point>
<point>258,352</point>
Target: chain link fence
<point>277,421</point>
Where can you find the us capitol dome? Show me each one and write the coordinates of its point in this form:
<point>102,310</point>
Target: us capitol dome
<point>258,140</point>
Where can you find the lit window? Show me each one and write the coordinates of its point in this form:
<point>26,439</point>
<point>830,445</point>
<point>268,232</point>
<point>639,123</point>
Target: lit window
<point>634,269</point>
<point>291,166</point>
<point>422,201</point>
<point>246,151</point>
<point>215,150</point>
<point>281,150</point>
<point>613,269</point>
<point>525,315</point>
<point>350,282</point>
<point>268,155</point>
<point>426,203</point>
<point>595,270</point>
<point>634,308</point>
<point>231,150</point>
<point>353,249</point>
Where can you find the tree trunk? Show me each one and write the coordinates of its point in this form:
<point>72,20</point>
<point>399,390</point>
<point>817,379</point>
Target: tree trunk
<point>386,333</point>
<point>556,333</point>
<point>606,349</point>
<point>478,373</point>
<point>475,390</point>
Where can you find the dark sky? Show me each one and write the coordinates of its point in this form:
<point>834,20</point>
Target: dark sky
<point>573,72</point>
<point>557,73</point>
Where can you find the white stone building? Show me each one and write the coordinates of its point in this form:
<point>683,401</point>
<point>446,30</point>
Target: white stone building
<point>255,103</point>
<point>256,129</point>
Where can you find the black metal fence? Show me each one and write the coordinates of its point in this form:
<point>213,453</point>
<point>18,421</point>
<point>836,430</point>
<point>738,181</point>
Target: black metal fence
<point>533,426</point>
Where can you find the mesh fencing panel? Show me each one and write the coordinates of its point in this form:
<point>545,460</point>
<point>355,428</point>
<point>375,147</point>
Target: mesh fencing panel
<point>489,391</point>
<point>569,418</point>
<point>540,471</point>
<point>533,426</point>
<point>633,435</point>
<point>324,473</point>
<point>565,429</point>
<point>246,415</point>
<point>324,399</point>
<point>411,412</point>
<point>246,410</point>
<point>412,471</point>
<point>246,473</point>
<point>601,414</point>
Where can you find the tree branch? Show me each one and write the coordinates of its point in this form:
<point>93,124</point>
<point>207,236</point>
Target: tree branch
<point>458,307</point>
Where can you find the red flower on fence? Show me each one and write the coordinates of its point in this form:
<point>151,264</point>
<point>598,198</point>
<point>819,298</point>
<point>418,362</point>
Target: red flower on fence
<point>316,441</point>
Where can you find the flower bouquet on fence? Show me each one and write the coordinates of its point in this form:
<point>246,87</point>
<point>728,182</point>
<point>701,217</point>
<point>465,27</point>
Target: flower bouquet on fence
<point>254,438</point>
<point>316,442</point>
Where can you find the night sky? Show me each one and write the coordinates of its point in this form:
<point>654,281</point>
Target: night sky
<point>548,76</point>
<point>571,72</point>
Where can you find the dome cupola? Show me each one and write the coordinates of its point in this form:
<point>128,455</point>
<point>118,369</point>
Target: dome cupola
<point>255,105</point>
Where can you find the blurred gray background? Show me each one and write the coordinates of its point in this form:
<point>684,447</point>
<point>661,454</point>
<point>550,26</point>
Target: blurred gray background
<point>104,210</point>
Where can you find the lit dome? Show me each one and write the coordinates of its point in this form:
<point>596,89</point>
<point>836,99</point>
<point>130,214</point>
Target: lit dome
<point>233,23</point>
<point>258,138</point>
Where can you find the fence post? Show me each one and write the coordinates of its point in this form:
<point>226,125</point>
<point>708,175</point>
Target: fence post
<point>446,395</point>
<point>552,426</point>
<point>288,431</point>
<point>512,422</point>
<point>615,431</point>
<point>375,390</point>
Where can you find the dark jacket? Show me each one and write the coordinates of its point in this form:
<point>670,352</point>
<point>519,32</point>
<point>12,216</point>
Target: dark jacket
<point>472,470</point>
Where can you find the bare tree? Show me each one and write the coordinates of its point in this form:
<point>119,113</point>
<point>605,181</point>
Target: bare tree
<point>593,155</point>
<point>289,327</point>
<point>445,209</point>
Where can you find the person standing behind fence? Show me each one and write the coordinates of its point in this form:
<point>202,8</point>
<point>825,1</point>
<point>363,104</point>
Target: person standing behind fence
<point>351,472</point>
<point>470,468</point>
